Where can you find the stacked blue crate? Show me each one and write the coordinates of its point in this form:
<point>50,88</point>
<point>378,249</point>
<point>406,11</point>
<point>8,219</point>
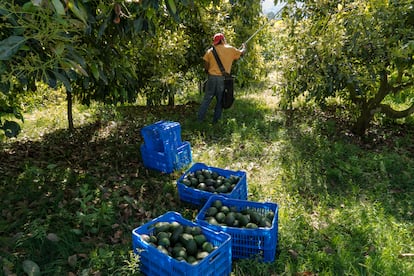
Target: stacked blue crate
<point>163,150</point>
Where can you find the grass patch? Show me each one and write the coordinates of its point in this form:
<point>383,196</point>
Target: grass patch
<point>71,200</point>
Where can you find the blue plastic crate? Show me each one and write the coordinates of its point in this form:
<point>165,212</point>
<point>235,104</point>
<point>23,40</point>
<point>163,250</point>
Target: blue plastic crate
<point>167,162</point>
<point>247,243</point>
<point>183,156</point>
<point>162,136</point>
<point>154,262</point>
<point>198,197</point>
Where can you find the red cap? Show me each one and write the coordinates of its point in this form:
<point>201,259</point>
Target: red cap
<point>217,38</point>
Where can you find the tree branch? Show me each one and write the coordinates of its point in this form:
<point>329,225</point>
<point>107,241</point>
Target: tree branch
<point>395,114</point>
<point>383,91</point>
<point>399,88</point>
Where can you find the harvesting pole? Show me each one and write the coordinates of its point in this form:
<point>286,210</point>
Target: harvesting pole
<point>261,28</point>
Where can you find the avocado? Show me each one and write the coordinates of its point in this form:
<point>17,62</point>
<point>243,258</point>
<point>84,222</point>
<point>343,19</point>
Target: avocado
<point>211,189</point>
<point>207,246</point>
<point>212,211</point>
<point>196,230</point>
<point>163,249</point>
<point>178,252</point>
<point>230,218</point>
<point>202,254</point>
<point>202,186</point>
<point>244,220</point>
<point>217,203</point>
<point>270,215</point>
<point>251,225</point>
<point>234,179</point>
<point>220,216</point>
<point>161,235</point>
<point>153,239</point>
<point>200,239</point>
<point>207,174</point>
<point>255,217</point>
<point>186,182</point>
<point>164,242</point>
<point>201,178</point>
<point>210,182</point>
<point>192,260</point>
<point>191,247</point>
<point>185,238</point>
<point>198,173</point>
<point>188,229</point>
<point>225,209</point>
<point>218,183</point>
<point>161,227</point>
<point>146,238</point>
<point>176,234</point>
<point>194,181</point>
<point>212,220</point>
<point>222,189</point>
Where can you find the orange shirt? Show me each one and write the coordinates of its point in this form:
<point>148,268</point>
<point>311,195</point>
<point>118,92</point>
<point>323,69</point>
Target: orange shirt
<point>227,55</point>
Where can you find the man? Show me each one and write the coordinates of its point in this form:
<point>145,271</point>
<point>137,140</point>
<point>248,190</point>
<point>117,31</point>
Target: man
<point>215,81</point>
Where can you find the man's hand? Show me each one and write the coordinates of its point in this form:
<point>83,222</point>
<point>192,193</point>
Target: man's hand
<point>243,48</point>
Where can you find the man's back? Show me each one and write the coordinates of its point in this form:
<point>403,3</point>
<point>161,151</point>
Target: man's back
<point>227,55</point>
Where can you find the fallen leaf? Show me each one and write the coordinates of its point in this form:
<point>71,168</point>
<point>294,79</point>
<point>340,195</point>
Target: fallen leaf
<point>293,253</point>
<point>52,237</point>
<point>404,255</point>
<point>72,260</point>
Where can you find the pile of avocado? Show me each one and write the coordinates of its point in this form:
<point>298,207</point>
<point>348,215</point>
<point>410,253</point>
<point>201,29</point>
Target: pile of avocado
<point>210,181</point>
<point>182,242</point>
<point>223,215</point>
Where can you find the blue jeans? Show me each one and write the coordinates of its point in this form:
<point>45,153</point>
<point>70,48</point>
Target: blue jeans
<point>214,88</point>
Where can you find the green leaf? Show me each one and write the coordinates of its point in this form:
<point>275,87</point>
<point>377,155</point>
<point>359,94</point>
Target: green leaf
<point>18,115</point>
<point>76,57</point>
<point>5,87</point>
<point>78,10</point>
<point>64,80</point>
<point>78,68</point>
<point>58,7</point>
<point>138,23</point>
<point>95,71</point>
<point>10,46</point>
<point>409,46</point>
<point>171,6</point>
<point>12,129</point>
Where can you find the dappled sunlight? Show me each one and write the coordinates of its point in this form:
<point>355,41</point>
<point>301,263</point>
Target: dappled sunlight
<point>107,130</point>
<point>71,197</point>
<point>272,100</point>
<point>352,227</point>
<point>329,208</point>
<point>47,119</point>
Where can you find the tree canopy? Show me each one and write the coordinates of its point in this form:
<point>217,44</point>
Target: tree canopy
<point>358,51</point>
<point>111,51</point>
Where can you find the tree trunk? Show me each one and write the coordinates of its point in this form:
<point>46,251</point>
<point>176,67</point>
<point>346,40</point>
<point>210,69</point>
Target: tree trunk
<point>70,114</point>
<point>171,98</point>
<point>362,123</point>
<point>171,94</point>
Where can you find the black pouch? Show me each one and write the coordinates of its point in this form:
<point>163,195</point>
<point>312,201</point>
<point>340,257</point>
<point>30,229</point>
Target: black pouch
<point>228,93</point>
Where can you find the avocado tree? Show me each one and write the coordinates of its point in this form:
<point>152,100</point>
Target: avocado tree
<point>90,47</point>
<point>358,51</point>
<point>104,50</point>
